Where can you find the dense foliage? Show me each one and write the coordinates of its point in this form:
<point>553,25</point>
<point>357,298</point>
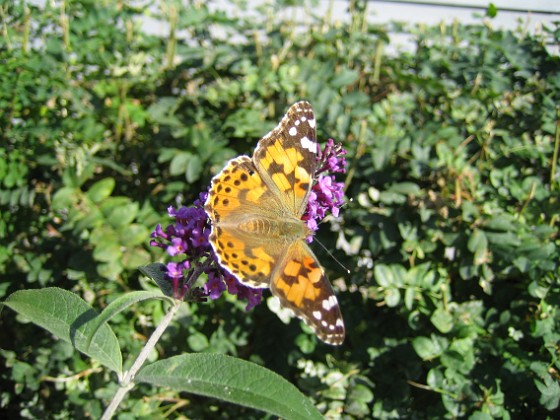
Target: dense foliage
<point>452,304</point>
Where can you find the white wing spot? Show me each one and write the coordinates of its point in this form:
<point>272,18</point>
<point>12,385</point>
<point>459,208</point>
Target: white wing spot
<point>317,314</point>
<point>339,322</point>
<point>307,144</point>
<point>312,123</point>
<point>292,131</point>
<point>329,303</point>
<point>324,323</point>
<point>331,327</point>
<point>298,122</point>
<point>304,118</point>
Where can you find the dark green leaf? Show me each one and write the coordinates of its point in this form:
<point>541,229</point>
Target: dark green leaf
<point>233,380</point>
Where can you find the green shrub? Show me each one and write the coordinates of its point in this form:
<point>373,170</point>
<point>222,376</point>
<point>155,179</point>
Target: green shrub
<point>452,238</point>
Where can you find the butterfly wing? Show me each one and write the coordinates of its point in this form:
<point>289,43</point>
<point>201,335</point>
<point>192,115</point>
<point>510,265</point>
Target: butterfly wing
<point>300,283</point>
<point>238,197</point>
<point>286,157</point>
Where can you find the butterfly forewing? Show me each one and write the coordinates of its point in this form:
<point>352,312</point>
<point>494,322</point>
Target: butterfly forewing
<point>287,156</point>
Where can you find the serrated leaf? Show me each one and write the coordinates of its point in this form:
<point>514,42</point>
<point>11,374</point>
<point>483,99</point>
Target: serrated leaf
<point>68,317</point>
<point>230,379</point>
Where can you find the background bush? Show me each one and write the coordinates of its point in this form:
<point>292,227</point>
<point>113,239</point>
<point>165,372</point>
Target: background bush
<point>452,235</point>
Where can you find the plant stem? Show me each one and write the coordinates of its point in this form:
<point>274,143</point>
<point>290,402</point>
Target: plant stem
<point>128,381</point>
<point>555,153</point>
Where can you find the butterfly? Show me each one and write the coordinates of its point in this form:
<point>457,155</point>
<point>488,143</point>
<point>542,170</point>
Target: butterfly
<point>255,206</point>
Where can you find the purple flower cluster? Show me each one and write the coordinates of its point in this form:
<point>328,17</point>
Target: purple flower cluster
<point>326,194</point>
<point>186,240</point>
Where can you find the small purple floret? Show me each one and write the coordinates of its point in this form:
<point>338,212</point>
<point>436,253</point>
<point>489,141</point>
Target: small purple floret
<point>326,195</point>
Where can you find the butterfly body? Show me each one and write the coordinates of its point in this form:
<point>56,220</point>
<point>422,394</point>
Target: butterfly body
<point>256,205</point>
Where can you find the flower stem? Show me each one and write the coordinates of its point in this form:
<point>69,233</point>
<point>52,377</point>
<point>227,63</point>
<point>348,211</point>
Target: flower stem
<point>128,381</point>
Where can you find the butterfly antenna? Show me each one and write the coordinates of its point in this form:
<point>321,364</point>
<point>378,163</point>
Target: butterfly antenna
<point>332,256</point>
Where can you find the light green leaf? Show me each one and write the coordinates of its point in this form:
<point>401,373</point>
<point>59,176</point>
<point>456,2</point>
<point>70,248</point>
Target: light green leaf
<point>123,215</point>
<point>233,380</point>
<point>344,78</point>
<point>194,169</point>
<point>179,163</point>
<point>107,252</point>
<point>384,275</point>
<point>408,188</point>
<point>442,320</point>
<point>101,190</point>
<point>68,317</point>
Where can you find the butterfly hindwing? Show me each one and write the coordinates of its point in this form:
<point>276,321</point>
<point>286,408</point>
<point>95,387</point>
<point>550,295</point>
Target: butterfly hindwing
<point>300,283</point>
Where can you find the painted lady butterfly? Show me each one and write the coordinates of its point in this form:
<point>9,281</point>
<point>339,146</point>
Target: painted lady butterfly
<point>255,206</point>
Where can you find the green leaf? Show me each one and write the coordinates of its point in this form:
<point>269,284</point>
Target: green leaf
<point>123,215</point>
<point>233,380</point>
<point>344,78</point>
<point>119,305</point>
<point>442,320</point>
<point>429,348</point>
<point>178,165</point>
<point>198,341</point>
<point>194,169</point>
<point>408,188</point>
<point>101,190</point>
<point>107,252</point>
<point>492,10</point>
<point>156,272</point>
<point>64,198</point>
<point>550,392</point>
<point>384,275</point>
<point>68,317</point>
<point>478,245</point>
<point>479,415</point>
